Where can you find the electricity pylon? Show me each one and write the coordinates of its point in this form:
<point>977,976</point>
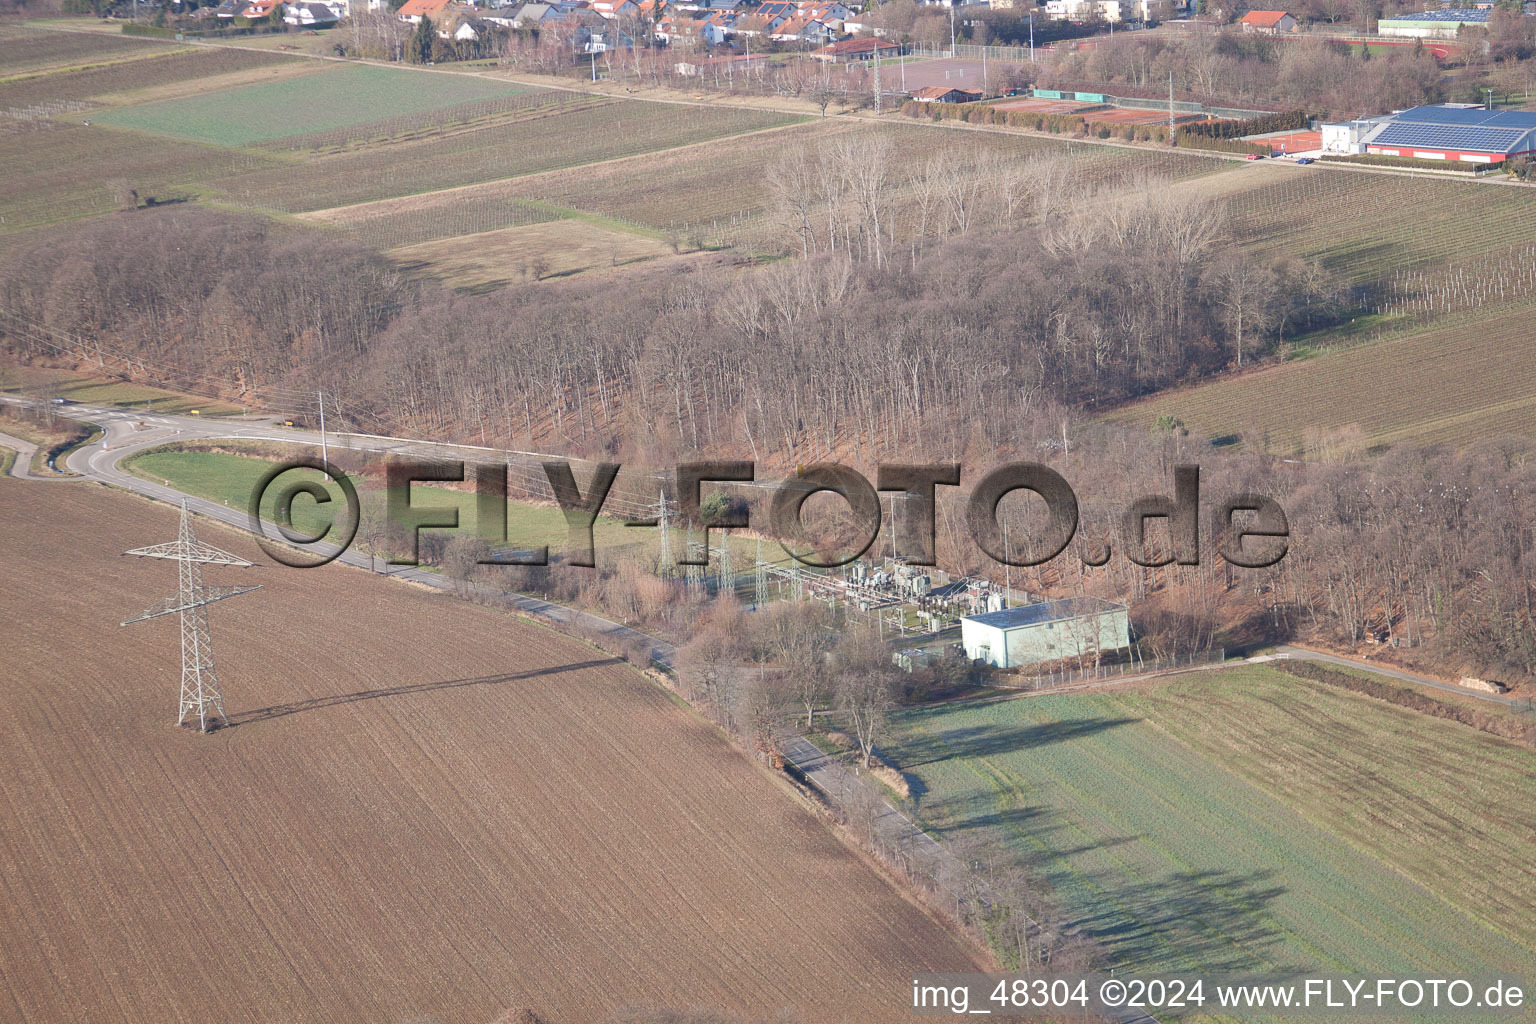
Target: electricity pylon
<point>199,684</point>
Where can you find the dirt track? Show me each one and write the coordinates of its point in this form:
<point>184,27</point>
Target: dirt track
<point>425,812</point>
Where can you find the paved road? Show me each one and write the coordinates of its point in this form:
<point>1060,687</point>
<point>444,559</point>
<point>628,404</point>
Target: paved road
<point>21,468</point>
<point>1306,654</point>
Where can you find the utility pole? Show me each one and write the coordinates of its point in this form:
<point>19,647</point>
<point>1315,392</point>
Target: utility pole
<point>1007,568</point>
<point>199,685</point>
<point>325,455</point>
<point>951,29</point>
<point>1171,129</point>
<point>1031,37</point>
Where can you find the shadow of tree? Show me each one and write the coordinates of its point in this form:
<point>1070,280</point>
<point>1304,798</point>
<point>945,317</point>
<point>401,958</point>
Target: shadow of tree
<point>336,700</point>
<point>990,740</point>
<point>1217,919</point>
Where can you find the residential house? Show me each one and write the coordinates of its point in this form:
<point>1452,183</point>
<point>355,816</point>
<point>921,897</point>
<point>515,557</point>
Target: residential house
<point>833,14</point>
<point>783,10</point>
<point>753,25</point>
<point>612,9</point>
<point>310,15</point>
<point>594,33</point>
<point>537,15</point>
<point>802,30</point>
<point>689,33</point>
<point>723,23</point>
<point>1269,23</point>
<point>259,9</point>
<point>412,11</point>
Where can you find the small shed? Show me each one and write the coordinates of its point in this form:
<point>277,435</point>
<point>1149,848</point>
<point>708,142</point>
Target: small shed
<point>1049,631</point>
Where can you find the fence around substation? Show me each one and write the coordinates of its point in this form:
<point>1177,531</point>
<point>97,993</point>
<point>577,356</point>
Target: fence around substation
<point>1137,666</point>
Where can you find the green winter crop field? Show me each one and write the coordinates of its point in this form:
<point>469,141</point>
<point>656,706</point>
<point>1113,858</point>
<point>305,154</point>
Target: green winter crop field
<point>1247,820</point>
<point>272,110</point>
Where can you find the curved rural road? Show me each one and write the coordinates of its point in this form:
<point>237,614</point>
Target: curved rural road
<point>127,432</point>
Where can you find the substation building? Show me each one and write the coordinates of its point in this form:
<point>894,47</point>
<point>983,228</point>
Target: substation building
<point>1075,627</point>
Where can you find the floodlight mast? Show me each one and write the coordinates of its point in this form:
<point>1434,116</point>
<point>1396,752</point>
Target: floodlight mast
<point>199,684</point>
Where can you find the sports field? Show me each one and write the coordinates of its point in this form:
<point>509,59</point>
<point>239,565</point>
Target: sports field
<point>1245,820</point>
<point>271,110</point>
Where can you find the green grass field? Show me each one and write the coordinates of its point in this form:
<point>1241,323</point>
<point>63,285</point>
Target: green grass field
<point>1248,821</point>
<point>338,99</point>
<point>1469,376</point>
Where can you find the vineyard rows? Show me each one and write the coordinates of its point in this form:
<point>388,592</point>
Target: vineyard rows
<point>1472,375</point>
<point>1492,277</point>
<point>447,220</point>
<point>617,129</point>
<point>1366,228</point>
<point>127,76</point>
<point>65,170</point>
<point>24,50</point>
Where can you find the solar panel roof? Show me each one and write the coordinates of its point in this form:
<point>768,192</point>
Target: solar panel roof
<point>1517,119</point>
<point>1448,14</point>
<point>1435,136</point>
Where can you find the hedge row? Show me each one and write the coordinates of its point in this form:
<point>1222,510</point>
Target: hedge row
<point>1502,726</point>
<point>1381,160</point>
<point>1058,124</point>
<point>1291,120</point>
<point>1221,145</point>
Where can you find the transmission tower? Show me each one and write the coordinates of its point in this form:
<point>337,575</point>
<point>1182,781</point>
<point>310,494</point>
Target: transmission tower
<point>199,685</point>
<point>760,579</point>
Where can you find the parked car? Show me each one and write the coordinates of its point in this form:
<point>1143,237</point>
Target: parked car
<point>1304,160</point>
<point>1254,156</point>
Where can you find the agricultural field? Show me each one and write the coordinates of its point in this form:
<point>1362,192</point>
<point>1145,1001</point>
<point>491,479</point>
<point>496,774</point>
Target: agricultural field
<point>347,97</point>
<point>148,77</point>
<point>1467,376</point>
<point>27,51</point>
<point>447,815</point>
<point>660,193</point>
<point>1247,821</point>
<point>589,132</point>
<point>57,171</point>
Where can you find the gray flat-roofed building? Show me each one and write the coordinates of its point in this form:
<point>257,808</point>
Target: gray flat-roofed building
<point>1074,627</point>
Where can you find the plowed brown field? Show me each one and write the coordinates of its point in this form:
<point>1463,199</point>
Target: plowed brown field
<point>425,811</point>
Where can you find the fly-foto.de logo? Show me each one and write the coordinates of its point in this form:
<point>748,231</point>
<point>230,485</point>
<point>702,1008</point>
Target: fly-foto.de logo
<point>1247,530</point>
